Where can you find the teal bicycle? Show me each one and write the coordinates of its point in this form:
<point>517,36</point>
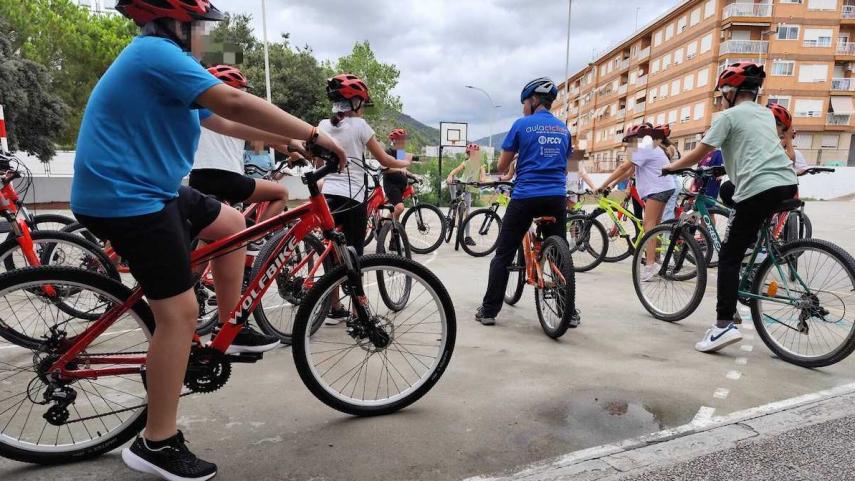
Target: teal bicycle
<point>801,293</point>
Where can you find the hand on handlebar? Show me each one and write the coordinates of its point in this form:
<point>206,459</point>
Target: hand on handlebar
<point>328,143</point>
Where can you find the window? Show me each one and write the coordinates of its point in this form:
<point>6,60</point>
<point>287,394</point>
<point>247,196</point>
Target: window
<point>652,120</point>
<point>689,145</point>
<point>660,119</point>
<point>818,37</point>
<point>709,8</point>
<point>669,32</point>
<point>602,71</point>
<point>682,24</point>
<point>675,87</point>
<point>822,4</point>
<point>813,72</point>
<point>657,38</point>
<point>654,66</point>
<point>703,77</point>
<point>663,91</point>
<point>783,68</point>
<point>700,110</point>
<point>672,116</point>
<point>706,43</point>
<point>695,17</point>
<point>691,50</point>
<point>808,107</point>
<point>788,32</point>
<point>678,56</point>
<point>830,141</point>
<point>689,82</point>
<point>666,61</point>
<point>780,100</point>
<point>803,141</point>
<point>685,114</point>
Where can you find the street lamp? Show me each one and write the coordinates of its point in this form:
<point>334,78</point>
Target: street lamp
<point>493,108</point>
<point>266,61</point>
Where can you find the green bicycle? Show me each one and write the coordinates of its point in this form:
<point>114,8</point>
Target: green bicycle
<point>623,229</point>
<point>801,293</point>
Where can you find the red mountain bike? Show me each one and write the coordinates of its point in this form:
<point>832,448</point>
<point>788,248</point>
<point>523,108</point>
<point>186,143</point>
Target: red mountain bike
<point>80,391</point>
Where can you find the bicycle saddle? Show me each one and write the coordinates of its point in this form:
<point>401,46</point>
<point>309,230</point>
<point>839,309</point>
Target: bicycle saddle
<point>788,205</point>
<point>544,220</point>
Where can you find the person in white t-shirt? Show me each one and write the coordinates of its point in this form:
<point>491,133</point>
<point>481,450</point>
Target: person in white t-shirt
<point>218,167</point>
<point>346,191</point>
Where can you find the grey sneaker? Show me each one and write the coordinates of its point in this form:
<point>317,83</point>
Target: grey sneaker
<point>575,320</point>
<point>485,320</point>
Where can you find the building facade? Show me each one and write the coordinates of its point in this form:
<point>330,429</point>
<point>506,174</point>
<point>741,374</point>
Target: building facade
<point>666,73</point>
<point>99,6</point>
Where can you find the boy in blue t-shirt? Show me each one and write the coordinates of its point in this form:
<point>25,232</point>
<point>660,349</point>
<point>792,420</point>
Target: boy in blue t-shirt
<point>542,144</point>
<point>136,142</point>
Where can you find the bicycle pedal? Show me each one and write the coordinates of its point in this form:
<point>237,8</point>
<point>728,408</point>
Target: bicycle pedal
<point>245,357</point>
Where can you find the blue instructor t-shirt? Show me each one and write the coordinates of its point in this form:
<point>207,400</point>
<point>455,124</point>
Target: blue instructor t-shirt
<point>543,144</point>
<point>139,131</point>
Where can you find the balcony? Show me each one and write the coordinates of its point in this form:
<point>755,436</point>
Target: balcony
<point>622,89</point>
<point>848,12</point>
<point>621,113</point>
<point>823,42</point>
<point>639,107</point>
<point>641,80</point>
<point>744,46</point>
<point>846,48</point>
<point>837,119</point>
<point>843,84</point>
<point>747,10</point>
<point>623,64</point>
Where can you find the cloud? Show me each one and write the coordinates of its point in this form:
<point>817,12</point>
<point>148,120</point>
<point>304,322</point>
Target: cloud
<point>440,46</point>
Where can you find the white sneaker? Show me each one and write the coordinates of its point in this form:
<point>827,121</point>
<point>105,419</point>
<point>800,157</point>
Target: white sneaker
<point>719,337</point>
<point>649,273</point>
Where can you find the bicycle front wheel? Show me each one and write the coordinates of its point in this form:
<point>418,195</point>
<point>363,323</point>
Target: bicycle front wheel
<point>620,242</point>
<point>673,286</point>
<point>425,228</point>
<point>52,221</point>
<point>394,289</point>
<point>516,279</point>
<point>385,364</point>
<point>588,242</point>
<point>805,305</point>
<point>556,299</point>
<point>483,226</point>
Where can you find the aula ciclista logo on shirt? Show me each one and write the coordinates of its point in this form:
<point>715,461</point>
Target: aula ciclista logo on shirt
<point>543,140</point>
<point>545,129</point>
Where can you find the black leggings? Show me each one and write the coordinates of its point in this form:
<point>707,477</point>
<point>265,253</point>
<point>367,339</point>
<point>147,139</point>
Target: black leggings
<point>516,222</point>
<point>742,229</point>
<point>352,218</point>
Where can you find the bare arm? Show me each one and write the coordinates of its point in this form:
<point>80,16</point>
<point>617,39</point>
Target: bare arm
<point>241,131</point>
<point>510,175</point>
<point>505,160</point>
<point>583,173</point>
<point>455,171</point>
<point>376,149</point>
<point>624,170</point>
<point>696,155</point>
<point>241,107</point>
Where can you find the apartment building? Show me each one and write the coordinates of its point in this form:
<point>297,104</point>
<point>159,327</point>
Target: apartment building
<point>99,6</point>
<point>666,73</point>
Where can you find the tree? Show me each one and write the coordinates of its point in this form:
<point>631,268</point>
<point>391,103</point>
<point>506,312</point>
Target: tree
<point>236,29</point>
<point>381,78</point>
<point>34,116</point>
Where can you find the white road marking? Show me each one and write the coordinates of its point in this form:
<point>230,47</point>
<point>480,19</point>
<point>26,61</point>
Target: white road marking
<point>734,375</point>
<point>703,416</point>
<point>741,361</point>
<point>721,393</point>
<point>747,347</point>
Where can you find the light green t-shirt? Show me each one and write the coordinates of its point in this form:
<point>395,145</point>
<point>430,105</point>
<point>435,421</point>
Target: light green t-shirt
<point>752,152</point>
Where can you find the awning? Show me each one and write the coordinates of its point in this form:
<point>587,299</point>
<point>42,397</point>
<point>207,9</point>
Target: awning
<point>842,105</point>
<point>641,93</point>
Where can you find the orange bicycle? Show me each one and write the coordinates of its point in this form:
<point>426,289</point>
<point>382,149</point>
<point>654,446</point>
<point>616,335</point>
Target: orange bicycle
<point>547,265</point>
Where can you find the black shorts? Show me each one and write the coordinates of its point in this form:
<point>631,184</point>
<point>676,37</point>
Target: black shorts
<point>224,185</point>
<point>661,196</point>
<point>352,217</point>
<point>157,246</point>
<point>394,185</point>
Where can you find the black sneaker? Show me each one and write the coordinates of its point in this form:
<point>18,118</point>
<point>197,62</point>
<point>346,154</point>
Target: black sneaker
<point>469,241</point>
<point>169,459</point>
<point>250,340</point>
<point>484,319</point>
<point>336,315</point>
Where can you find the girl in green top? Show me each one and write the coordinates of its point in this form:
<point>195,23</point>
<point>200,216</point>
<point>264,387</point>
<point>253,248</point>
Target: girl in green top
<point>473,171</point>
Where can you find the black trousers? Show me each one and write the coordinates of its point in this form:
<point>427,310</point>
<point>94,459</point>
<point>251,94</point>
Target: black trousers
<point>516,222</point>
<point>742,230</point>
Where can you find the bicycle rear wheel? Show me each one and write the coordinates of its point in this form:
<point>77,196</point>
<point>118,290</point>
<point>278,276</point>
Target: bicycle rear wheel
<point>620,245</point>
<point>806,314</point>
<point>105,412</point>
<point>588,242</point>
<point>52,221</point>
<point>394,288</point>
<point>425,227</point>
<point>556,300</point>
<point>516,279</point>
<point>677,286</point>
<point>379,367</point>
<point>484,226</point>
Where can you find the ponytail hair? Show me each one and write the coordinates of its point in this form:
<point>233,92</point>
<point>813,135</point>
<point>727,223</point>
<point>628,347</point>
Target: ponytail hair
<point>337,118</point>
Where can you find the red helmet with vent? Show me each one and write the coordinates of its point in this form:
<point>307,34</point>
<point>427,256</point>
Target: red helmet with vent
<point>638,131</point>
<point>782,116</point>
<point>230,76</point>
<point>742,76</point>
<point>471,147</point>
<point>145,11</point>
<point>347,87</point>
<point>397,134</point>
<point>661,131</point>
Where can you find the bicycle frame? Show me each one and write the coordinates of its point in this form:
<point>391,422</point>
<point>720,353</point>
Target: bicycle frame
<point>610,207</point>
<point>531,245</point>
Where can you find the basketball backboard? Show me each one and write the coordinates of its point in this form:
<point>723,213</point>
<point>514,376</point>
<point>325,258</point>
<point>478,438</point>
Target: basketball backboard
<point>453,134</point>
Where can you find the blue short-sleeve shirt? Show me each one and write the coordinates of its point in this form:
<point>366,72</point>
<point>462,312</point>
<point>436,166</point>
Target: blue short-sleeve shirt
<point>140,130</point>
<point>543,144</point>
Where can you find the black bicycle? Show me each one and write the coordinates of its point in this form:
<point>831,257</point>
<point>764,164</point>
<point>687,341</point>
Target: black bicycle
<point>479,231</point>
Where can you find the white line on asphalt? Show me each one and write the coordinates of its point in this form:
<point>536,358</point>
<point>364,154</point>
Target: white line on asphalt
<point>747,347</point>
<point>704,415</point>
<point>741,361</point>
<point>721,393</point>
<point>735,375</point>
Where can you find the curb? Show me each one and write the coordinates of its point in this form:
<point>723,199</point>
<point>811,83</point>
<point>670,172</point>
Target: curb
<point>704,435</point>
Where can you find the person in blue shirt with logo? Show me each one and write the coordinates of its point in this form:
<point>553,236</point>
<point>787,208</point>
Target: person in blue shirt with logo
<point>542,144</point>
<point>137,140</point>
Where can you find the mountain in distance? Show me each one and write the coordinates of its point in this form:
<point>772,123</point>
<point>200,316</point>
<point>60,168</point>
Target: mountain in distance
<point>497,140</point>
<point>424,134</point>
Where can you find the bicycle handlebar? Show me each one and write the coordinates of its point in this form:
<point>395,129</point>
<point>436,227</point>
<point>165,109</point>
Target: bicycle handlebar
<point>816,170</point>
<point>714,171</point>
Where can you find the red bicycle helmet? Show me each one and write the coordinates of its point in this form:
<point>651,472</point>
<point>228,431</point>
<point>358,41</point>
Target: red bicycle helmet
<point>782,116</point>
<point>661,131</point>
<point>472,147</point>
<point>638,131</point>
<point>145,11</point>
<point>230,76</point>
<point>742,76</point>
<point>347,87</point>
<point>397,134</point>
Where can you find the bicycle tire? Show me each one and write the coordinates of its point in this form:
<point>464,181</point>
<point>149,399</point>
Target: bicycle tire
<point>516,278</point>
<point>725,214</point>
<point>613,234</point>
<point>805,226</point>
<point>700,274</point>
<point>415,216</point>
<point>398,246</point>
<point>369,231</point>
<point>837,253</point>
<point>791,227</point>
<point>583,244</point>
<point>120,293</point>
<point>564,263</point>
<point>43,219</point>
<point>98,258</point>
<point>490,221</point>
<point>285,287</point>
<point>704,240</point>
<point>328,282</point>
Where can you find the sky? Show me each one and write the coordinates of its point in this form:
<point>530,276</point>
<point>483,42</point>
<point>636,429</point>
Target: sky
<point>440,46</point>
